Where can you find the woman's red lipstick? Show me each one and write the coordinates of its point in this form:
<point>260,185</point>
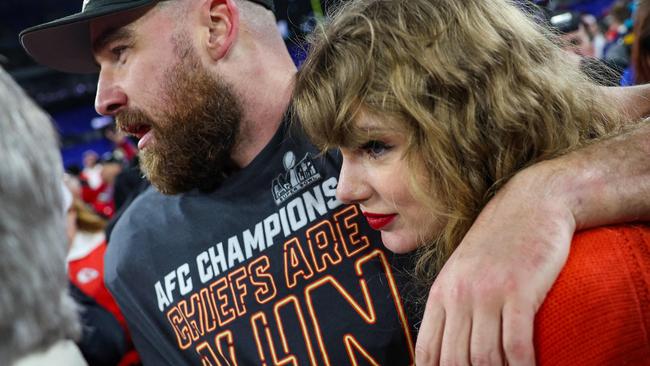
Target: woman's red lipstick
<point>378,221</point>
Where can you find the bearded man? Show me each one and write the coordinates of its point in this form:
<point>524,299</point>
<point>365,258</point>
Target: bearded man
<point>230,261</point>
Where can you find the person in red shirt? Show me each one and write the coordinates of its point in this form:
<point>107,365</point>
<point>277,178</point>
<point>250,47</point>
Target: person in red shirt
<point>85,259</point>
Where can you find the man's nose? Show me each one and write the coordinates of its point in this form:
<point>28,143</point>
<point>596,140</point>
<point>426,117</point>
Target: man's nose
<point>110,98</point>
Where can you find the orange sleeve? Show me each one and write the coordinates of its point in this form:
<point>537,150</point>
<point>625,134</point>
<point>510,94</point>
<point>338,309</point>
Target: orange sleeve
<point>598,311</point>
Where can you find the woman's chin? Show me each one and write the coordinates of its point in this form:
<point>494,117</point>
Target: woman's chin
<point>399,243</point>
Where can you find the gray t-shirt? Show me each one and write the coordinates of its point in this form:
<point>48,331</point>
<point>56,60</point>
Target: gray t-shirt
<point>268,269</point>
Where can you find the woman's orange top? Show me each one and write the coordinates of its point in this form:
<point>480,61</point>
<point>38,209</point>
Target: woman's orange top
<point>598,311</point>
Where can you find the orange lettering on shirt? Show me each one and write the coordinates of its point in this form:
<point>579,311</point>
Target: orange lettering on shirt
<point>323,245</point>
<point>295,263</point>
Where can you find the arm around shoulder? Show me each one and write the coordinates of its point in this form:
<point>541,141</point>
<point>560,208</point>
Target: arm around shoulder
<point>605,183</point>
<point>500,274</point>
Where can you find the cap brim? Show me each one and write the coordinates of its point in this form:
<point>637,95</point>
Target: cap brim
<point>64,44</point>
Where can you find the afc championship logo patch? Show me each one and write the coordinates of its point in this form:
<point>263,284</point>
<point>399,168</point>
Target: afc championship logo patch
<point>298,175</point>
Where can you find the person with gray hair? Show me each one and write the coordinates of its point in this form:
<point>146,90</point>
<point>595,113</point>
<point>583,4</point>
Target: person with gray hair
<point>36,312</point>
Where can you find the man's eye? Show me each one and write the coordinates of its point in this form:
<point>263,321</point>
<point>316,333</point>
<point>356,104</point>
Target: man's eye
<point>375,148</point>
<point>118,51</point>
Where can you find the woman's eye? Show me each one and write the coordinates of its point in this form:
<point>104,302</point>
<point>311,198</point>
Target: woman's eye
<point>375,148</point>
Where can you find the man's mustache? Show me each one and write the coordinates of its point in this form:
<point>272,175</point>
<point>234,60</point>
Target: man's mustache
<point>130,121</point>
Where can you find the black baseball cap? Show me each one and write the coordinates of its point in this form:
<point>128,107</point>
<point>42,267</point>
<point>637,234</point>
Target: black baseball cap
<point>64,44</point>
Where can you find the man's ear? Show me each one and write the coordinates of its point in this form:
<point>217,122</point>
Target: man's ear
<point>222,20</point>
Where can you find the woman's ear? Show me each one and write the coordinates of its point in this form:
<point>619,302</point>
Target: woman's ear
<point>222,20</point>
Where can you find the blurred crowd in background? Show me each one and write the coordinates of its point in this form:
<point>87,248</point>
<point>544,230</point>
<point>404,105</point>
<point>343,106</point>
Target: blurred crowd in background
<point>602,36</point>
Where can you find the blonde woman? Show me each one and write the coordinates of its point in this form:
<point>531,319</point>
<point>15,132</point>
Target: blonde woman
<point>435,106</point>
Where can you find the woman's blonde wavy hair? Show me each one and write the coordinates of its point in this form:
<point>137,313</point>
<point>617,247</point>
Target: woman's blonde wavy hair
<point>480,90</point>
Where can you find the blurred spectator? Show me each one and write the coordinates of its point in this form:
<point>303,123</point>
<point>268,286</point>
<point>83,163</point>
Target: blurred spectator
<point>641,45</point>
<point>578,38</point>
<point>92,170</point>
<point>123,150</point>
<point>105,339</point>
<point>618,20</point>
<point>597,37</point>
<point>575,33</point>
<point>72,183</point>
<point>37,315</point>
<point>99,175</point>
<point>100,197</point>
<point>617,51</point>
<point>90,177</point>
<point>86,255</point>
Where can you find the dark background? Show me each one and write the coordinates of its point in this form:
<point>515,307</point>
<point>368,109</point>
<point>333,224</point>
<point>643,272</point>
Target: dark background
<point>69,98</point>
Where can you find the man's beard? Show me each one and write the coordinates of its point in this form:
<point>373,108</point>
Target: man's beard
<point>194,138</point>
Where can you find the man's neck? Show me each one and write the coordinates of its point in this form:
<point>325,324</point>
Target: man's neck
<point>262,118</point>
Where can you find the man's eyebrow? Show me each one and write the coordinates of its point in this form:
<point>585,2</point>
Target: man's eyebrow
<point>112,35</point>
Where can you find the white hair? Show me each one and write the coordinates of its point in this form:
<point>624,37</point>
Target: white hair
<point>35,308</point>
